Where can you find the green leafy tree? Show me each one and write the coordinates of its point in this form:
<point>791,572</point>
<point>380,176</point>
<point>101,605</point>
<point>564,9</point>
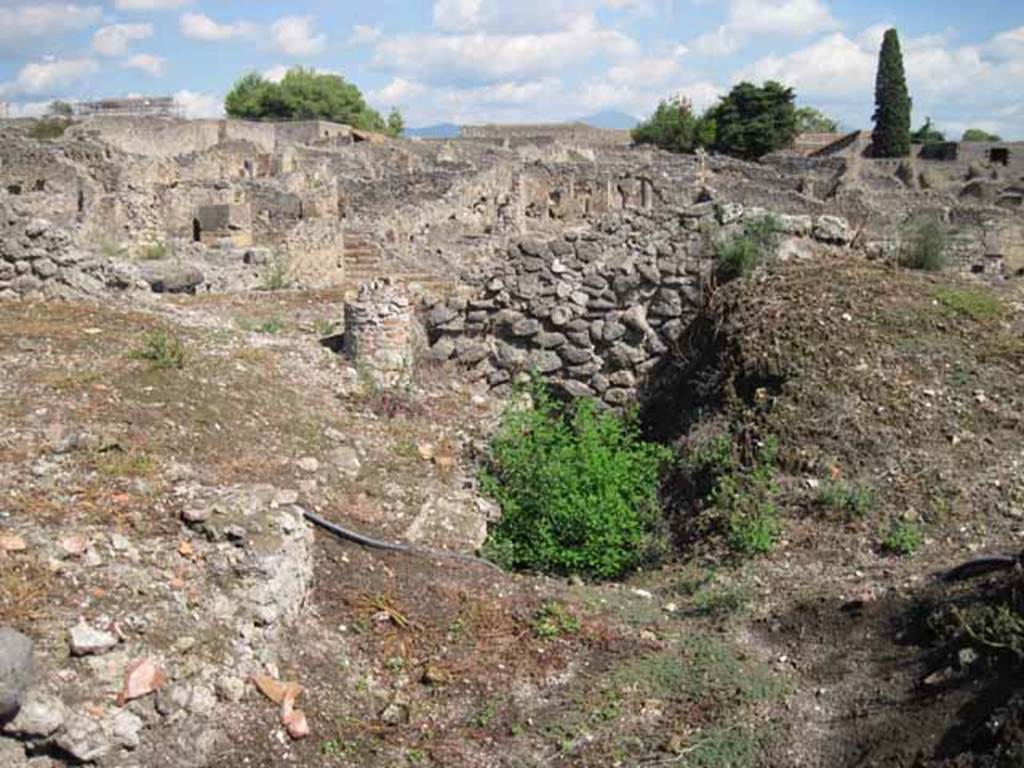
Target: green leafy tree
<point>891,137</point>
<point>927,134</point>
<point>303,94</point>
<point>977,134</point>
<point>811,120</point>
<point>395,123</point>
<point>752,121</point>
<point>675,127</point>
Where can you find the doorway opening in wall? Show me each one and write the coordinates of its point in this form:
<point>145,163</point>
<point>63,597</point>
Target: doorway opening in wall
<point>999,156</point>
<point>197,231</point>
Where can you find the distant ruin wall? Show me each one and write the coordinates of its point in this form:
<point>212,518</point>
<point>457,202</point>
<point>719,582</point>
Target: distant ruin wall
<point>170,137</point>
<point>573,133</point>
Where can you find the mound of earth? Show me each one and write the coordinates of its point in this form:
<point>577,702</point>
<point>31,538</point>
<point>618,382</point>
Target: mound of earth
<point>894,398</point>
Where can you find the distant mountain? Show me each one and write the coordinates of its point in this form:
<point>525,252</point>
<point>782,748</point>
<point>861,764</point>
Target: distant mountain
<point>439,131</point>
<point>619,121</point>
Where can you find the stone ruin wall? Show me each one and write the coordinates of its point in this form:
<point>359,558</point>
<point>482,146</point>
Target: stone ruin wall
<point>436,207</point>
<point>596,311</point>
<point>380,333</point>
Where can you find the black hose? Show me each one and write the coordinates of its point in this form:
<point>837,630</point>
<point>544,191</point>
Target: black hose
<point>980,567</point>
<point>391,546</point>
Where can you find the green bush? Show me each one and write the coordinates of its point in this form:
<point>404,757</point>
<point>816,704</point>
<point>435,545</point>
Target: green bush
<point>578,489</point>
<point>161,349</point>
<point>923,245</point>
<point>48,128</point>
<point>675,127</point>
<point>977,134</point>
<point>740,254</point>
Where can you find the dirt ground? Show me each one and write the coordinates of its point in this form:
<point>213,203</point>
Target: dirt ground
<point>816,654</point>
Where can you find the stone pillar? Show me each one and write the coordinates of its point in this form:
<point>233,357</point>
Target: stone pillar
<point>379,333</point>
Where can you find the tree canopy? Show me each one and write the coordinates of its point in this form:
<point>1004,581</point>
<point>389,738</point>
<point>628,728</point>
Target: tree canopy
<point>304,94</point>
<point>891,137</point>
<point>675,127</point>
<point>811,120</point>
<point>752,120</point>
<point>977,134</point>
<point>927,134</point>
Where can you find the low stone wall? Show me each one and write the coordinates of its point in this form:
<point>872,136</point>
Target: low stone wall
<point>595,311</point>
<point>38,259</point>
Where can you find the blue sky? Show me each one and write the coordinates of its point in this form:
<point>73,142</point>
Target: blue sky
<point>470,61</point>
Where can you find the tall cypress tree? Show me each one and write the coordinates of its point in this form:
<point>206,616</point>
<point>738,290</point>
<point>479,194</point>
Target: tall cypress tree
<point>892,101</point>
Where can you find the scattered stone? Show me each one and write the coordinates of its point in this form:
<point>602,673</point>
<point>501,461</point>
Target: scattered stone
<point>171,277</point>
<point>88,641</point>
<point>230,688</point>
<point>308,464</point>
<point>125,729</point>
<point>84,738</point>
<point>15,669</point>
<point>346,460</point>
<point>832,229</point>
<point>40,716</point>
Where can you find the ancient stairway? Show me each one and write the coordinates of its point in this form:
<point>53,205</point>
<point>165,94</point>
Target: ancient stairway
<point>364,261</point>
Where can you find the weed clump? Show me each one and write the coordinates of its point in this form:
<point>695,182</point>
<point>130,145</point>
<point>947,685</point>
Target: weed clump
<point>554,620</point>
<point>923,245</point>
<point>578,489</point>
<point>155,251</point>
<point>739,496</point>
<point>161,349</point>
<point>740,254</point>
<point>276,279</point>
<point>903,538</point>
<point>852,501</point>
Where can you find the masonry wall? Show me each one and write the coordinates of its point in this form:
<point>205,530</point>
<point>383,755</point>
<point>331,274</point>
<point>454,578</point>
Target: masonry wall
<point>595,312</point>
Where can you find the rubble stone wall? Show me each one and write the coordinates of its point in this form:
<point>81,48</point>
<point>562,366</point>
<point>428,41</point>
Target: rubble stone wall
<point>596,311</point>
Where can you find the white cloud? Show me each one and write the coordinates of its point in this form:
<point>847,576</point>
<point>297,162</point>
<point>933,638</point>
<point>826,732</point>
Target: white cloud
<point>1008,44</point>
<point>150,5</point>
<point>198,105</point>
<point>364,35</point>
<point>525,101</point>
<point>276,74</point>
<point>764,18</point>
<point>956,86</point>
<point>834,65</point>
<point>297,36</point>
<point>523,16</point>
<point>114,39</point>
<point>152,65</point>
<point>483,57</point>
<point>46,77</point>
<point>20,24</point>
<point>199,26</point>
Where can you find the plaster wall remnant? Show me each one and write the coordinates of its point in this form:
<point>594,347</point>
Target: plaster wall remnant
<point>380,333</point>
